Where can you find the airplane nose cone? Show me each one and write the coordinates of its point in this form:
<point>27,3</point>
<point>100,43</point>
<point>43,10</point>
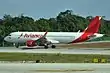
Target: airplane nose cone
<point>5,38</point>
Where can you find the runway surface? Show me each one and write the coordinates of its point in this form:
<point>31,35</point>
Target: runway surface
<point>54,68</point>
<point>62,51</point>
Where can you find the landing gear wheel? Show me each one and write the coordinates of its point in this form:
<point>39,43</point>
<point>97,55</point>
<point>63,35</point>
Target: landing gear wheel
<point>17,45</point>
<point>53,46</point>
<point>46,46</point>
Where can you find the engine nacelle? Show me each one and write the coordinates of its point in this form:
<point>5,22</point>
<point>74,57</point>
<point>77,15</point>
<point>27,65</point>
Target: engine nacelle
<point>31,43</point>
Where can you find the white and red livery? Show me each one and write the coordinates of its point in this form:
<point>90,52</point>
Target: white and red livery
<point>50,38</point>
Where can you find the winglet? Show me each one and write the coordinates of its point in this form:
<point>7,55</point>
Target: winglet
<point>78,31</point>
<point>45,33</point>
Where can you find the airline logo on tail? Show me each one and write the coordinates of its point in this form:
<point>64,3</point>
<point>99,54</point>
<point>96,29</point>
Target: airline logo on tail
<point>92,28</point>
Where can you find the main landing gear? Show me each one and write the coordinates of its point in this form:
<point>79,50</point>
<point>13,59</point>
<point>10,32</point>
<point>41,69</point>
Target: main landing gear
<point>52,46</point>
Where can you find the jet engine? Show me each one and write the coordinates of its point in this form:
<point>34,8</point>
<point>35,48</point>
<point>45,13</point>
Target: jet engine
<point>31,43</point>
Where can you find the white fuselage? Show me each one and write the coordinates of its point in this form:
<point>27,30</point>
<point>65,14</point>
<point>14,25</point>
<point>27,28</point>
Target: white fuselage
<point>58,37</point>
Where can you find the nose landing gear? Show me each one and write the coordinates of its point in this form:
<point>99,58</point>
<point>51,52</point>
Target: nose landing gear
<point>17,45</point>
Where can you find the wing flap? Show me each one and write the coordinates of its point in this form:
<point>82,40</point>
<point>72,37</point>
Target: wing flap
<point>53,41</point>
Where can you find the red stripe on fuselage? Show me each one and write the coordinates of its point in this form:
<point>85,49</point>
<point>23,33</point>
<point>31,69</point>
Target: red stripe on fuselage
<point>91,29</point>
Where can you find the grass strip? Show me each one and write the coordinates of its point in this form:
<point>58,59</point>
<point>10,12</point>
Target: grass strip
<point>51,58</point>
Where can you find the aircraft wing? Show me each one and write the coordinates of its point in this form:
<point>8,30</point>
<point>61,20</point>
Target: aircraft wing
<point>44,39</point>
<point>53,41</point>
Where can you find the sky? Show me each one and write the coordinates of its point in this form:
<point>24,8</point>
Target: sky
<point>51,8</point>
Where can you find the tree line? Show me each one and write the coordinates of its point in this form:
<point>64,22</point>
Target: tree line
<point>65,21</point>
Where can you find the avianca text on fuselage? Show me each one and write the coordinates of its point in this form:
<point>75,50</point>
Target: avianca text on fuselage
<point>32,35</point>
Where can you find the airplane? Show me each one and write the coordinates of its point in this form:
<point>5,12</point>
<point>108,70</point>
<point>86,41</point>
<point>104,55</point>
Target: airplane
<point>50,38</point>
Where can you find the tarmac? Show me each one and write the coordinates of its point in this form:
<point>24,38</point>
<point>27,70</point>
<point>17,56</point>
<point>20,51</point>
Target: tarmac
<point>56,67</point>
<point>104,51</point>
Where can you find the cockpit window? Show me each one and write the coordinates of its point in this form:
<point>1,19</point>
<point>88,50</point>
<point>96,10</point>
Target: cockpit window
<point>9,35</point>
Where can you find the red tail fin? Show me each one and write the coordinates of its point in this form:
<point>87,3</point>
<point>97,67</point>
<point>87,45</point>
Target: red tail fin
<point>94,25</point>
<point>90,30</point>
